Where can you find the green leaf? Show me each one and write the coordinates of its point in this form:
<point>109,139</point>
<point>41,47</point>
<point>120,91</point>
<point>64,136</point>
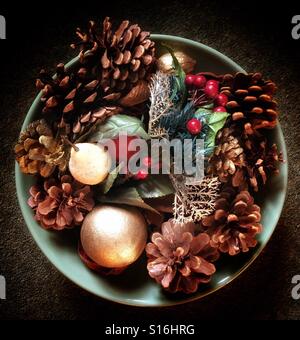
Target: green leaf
<point>116,124</point>
<point>108,183</point>
<point>155,186</point>
<point>215,122</point>
<point>128,196</point>
<point>203,112</point>
<point>179,88</point>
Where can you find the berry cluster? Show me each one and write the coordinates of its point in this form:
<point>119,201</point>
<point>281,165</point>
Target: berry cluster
<point>208,90</point>
<point>204,91</point>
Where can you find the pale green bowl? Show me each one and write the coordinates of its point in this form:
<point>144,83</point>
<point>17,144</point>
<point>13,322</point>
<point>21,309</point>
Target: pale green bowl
<point>134,287</point>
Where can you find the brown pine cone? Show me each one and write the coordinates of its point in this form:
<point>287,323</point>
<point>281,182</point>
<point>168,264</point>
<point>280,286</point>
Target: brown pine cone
<point>228,156</point>
<point>38,152</point>
<point>251,101</point>
<point>126,54</point>
<point>60,204</point>
<point>235,223</point>
<point>179,260</point>
<point>261,161</point>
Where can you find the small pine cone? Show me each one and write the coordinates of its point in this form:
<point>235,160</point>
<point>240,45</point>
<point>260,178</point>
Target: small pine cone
<point>126,54</point>
<point>179,260</point>
<point>261,161</point>
<point>37,152</point>
<point>60,204</point>
<point>235,223</point>
<point>228,156</point>
<point>251,101</point>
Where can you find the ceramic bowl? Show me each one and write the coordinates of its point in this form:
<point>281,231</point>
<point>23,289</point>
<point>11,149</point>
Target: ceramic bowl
<point>134,286</point>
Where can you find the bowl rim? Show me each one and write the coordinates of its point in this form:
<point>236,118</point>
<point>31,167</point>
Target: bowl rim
<point>18,181</point>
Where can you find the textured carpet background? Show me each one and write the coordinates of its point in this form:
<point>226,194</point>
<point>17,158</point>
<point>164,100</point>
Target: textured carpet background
<point>253,37</point>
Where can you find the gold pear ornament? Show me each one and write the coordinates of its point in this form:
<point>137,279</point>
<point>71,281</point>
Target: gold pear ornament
<point>89,163</point>
<point>114,236</point>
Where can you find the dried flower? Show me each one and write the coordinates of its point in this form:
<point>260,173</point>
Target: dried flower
<point>193,201</point>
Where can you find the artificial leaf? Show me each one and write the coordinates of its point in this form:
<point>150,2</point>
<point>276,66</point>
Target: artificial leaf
<point>155,186</point>
<point>127,196</point>
<point>116,124</point>
<point>108,183</point>
<point>215,122</point>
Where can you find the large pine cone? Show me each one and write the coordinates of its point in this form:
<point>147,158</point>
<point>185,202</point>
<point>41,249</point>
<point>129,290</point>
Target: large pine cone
<point>74,99</point>
<point>251,101</point>
<point>228,156</point>
<point>179,260</point>
<point>126,54</point>
<point>235,223</point>
<point>61,204</point>
<point>37,152</point>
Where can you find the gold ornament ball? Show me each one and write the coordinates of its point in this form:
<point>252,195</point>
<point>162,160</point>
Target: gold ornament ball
<point>165,62</point>
<point>89,163</point>
<point>114,236</point>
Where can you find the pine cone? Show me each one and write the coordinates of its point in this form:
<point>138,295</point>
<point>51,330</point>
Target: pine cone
<point>72,97</point>
<point>179,260</point>
<point>60,204</point>
<point>261,161</point>
<point>68,91</point>
<point>235,223</point>
<point>126,54</point>
<point>37,152</point>
<point>251,101</point>
<point>228,155</point>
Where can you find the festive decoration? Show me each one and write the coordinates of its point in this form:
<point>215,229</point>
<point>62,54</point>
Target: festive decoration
<point>114,236</point>
<point>60,204</point>
<point>235,223</point>
<point>251,101</point>
<point>192,219</point>
<point>178,259</point>
<point>193,201</point>
<point>165,62</point>
<point>160,91</point>
<point>89,163</point>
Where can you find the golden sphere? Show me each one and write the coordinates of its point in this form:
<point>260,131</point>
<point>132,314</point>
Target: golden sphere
<point>89,163</point>
<point>114,236</point>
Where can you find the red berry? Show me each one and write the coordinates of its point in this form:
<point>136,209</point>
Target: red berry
<point>220,109</point>
<point>213,82</point>
<point>141,174</point>
<point>194,126</point>
<point>211,89</point>
<point>199,81</point>
<point>221,99</point>
<point>147,162</point>
<point>189,79</point>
